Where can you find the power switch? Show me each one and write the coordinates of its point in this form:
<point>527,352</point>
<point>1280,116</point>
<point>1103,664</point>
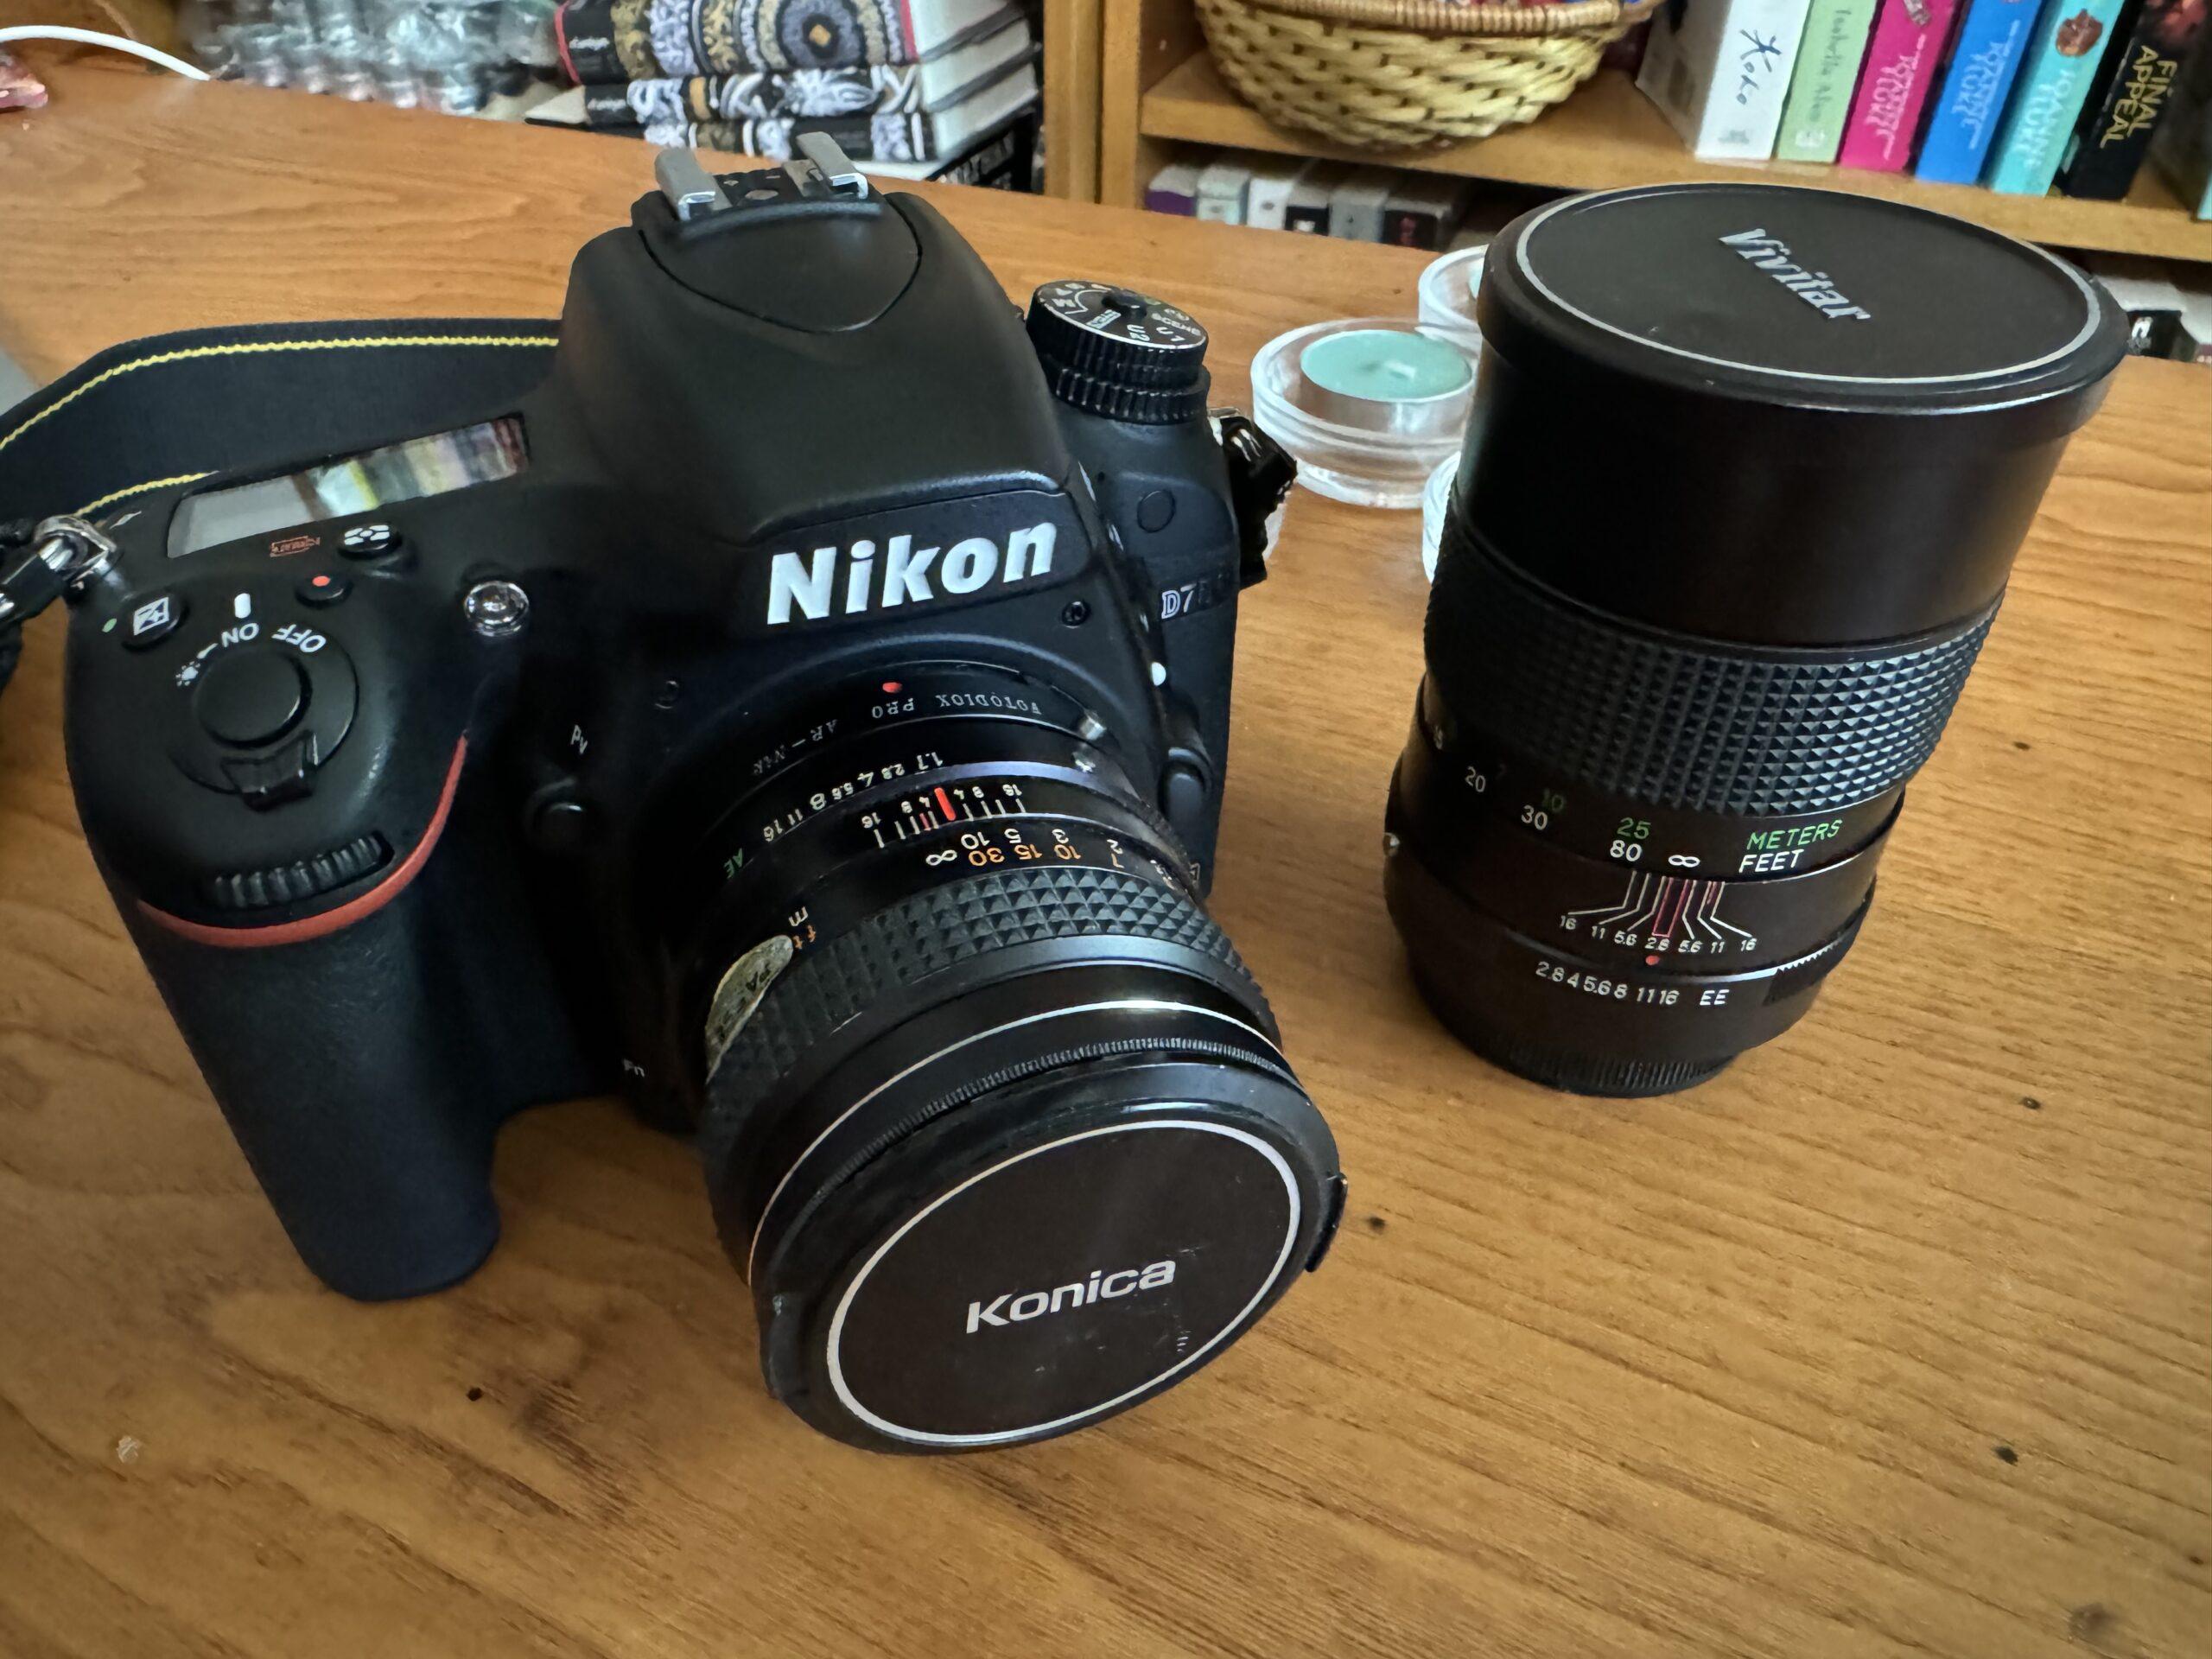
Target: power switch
<point>249,695</point>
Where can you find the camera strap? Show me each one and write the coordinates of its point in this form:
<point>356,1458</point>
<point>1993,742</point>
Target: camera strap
<point>152,414</point>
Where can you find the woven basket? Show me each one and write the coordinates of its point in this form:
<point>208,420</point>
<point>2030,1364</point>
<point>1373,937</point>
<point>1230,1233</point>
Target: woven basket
<point>1392,74</point>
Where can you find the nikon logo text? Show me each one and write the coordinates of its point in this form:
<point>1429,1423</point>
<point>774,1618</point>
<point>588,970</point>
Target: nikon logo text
<point>1771,255</point>
<point>1010,1309</point>
<point>852,581</point>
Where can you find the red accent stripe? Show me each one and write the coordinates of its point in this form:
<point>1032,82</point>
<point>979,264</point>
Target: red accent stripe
<point>561,40</point>
<point>330,921</point>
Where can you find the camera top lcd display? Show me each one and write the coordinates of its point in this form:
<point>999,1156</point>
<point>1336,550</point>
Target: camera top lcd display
<point>443,461</point>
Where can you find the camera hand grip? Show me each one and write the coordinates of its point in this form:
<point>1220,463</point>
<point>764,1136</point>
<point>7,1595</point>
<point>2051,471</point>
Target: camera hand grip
<point>364,1071</point>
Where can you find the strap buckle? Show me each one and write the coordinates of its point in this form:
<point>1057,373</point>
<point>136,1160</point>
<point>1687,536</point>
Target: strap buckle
<point>65,553</point>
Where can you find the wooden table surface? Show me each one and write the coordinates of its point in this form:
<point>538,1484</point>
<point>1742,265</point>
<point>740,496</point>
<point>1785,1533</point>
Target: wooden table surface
<point>1894,1340</point>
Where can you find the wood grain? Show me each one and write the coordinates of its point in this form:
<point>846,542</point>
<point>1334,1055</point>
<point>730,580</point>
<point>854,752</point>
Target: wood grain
<point>1892,1341</point>
<point>1607,136</point>
<point>1072,88</point>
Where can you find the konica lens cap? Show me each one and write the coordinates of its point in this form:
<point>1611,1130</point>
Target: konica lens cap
<point>1048,1255</point>
<point>1774,415</point>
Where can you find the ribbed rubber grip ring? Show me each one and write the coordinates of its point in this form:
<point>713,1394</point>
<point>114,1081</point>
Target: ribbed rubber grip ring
<point>1681,722</point>
<point>928,932</point>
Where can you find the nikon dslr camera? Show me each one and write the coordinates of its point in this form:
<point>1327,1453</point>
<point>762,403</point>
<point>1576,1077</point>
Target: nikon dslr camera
<point>806,708</point>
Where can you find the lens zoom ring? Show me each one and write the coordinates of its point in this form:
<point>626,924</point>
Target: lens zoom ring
<point>1679,724</point>
<point>934,931</point>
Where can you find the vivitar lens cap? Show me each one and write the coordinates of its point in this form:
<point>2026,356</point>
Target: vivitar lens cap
<point>1782,415</point>
<point>1047,1256</point>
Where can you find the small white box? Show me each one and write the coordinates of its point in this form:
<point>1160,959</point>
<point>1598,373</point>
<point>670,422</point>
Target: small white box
<point>1221,187</point>
<point>1269,194</point>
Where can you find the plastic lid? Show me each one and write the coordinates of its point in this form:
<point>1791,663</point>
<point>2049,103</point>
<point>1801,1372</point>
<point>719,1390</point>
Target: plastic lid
<point>1768,415</point>
<point>1791,295</point>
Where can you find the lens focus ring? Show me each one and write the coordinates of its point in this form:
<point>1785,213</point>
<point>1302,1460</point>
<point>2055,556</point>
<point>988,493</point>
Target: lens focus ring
<point>925,934</point>
<point>1663,719</point>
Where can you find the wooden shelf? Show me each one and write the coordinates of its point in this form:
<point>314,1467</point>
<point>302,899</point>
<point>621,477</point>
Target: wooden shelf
<point>1610,135</point>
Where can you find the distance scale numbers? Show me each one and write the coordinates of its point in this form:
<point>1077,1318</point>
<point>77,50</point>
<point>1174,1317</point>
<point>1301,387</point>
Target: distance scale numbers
<point>1681,844</point>
<point>1004,823</point>
<point>843,895</point>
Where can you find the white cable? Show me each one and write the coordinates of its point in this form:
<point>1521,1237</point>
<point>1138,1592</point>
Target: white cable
<point>94,37</point>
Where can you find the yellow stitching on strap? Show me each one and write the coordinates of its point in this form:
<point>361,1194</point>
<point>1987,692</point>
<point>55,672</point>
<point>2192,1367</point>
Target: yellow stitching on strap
<point>246,348</point>
<point>114,496</point>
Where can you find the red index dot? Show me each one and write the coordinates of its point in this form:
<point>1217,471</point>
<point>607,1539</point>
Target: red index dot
<point>1651,962</point>
<point>318,582</point>
<point>892,688</point>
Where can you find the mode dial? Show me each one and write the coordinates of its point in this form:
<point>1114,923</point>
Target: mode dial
<point>1117,353</point>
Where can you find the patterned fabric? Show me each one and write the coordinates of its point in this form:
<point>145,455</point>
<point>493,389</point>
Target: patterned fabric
<point>865,138</point>
<point>892,90</point>
<point>649,40</point>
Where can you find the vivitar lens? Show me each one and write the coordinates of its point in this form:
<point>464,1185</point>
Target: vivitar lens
<point>998,1128</point>
<point>1747,469</point>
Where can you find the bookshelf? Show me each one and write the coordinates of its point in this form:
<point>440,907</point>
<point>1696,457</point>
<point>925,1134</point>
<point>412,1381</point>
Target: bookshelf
<point>1160,90</point>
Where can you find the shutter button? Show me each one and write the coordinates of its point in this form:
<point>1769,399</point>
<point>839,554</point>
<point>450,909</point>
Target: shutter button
<point>249,695</point>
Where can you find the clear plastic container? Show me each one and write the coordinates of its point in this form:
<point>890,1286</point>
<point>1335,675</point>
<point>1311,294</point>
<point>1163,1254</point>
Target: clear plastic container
<point>1447,298</point>
<point>1370,414</point>
<point>446,54</point>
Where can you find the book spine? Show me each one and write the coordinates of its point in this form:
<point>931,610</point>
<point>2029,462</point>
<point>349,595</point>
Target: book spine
<point>1307,217</point>
<point>2069,40</point>
<point>1992,39</point>
<point>1902,56</point>
<point>1412,227</point>
<point>607,108</point>
<point>1834,45</point>
<point>1721,70</point>
<point>583,30</point>
<point>2138,84</point>
<point>2182,147</point>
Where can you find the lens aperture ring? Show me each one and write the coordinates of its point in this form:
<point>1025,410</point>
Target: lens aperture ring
<point>1683,722</point>
<point>842,978</point>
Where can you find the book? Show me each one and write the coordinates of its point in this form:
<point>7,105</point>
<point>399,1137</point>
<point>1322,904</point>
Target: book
<point>2194,345</point>
<point>1222,185</point>
<point>2181,149</point>
<point>1963,118</point>
<point>770,94</point>
<point>1828,57</point>
<point>1173,190</point>
<point>920,137</point>
<point>2070,38</point>
<point>2133,88</point>
<point>1306,209</point>
<point>1269,194</point>
<point>606,40</point>
<point>1903,54</point>
<point>1356,205</point>
<point>1718,71</point>
<point>2144,289</point>
<point>1422,211</point>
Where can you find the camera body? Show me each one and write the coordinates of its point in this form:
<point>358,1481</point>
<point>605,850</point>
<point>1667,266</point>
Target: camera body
<point>394,800</point>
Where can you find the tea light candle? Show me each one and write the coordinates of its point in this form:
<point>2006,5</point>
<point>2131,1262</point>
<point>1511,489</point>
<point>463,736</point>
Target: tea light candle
<point>1386,380</point>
